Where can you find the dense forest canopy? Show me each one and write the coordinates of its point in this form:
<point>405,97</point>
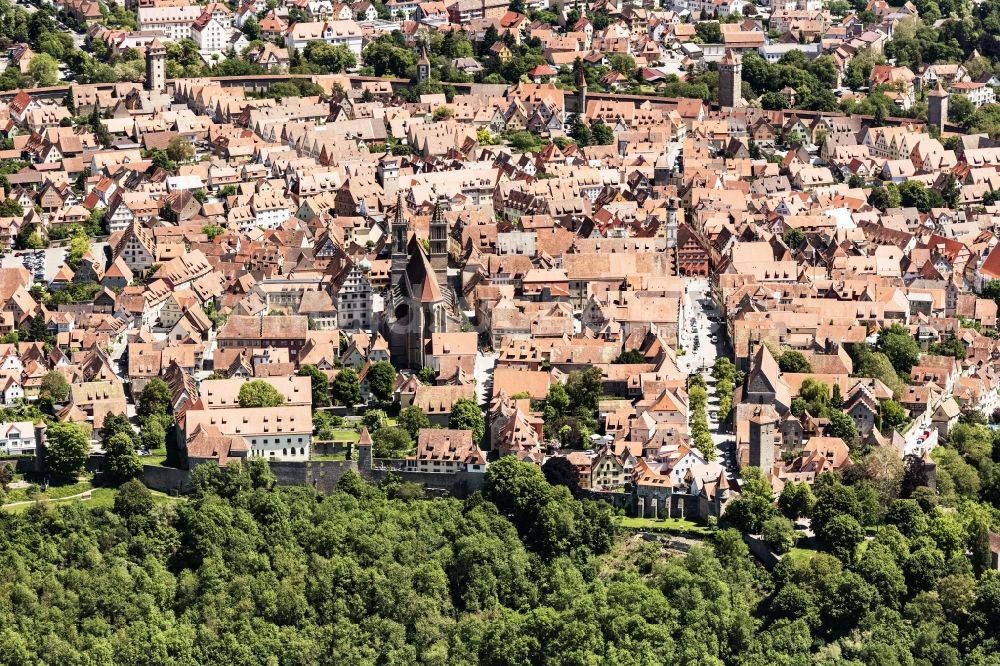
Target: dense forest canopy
<point>247,573</point>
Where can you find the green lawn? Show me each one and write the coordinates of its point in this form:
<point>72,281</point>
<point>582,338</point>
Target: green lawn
<point>800,554</point>
<point>99,497</point>
<point>333,457</point>
<point>346,435</point>
<point>53,492</point>
<point>664,525</point>
<point>102,497</point>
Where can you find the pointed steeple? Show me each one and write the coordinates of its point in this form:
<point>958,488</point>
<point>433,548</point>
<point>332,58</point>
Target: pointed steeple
<point>439,240</point>
<point>399,226</point>
<point>423,66</point>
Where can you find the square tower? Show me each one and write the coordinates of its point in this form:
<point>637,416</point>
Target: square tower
<point>731,80</point>
<point>156,67</point>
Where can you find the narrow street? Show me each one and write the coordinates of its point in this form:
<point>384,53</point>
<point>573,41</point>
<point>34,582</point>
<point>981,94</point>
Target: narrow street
<point>705,341</point>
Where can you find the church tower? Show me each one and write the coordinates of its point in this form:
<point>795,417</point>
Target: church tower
<point>398,229</point>
<point>388,175</point>
<point>439,242</point>
<point>581,91</point>
<point>731,80</point>
<point>156,67</point>
<point>423,66</point>
<point>937,107</point>
<point>397,240</point>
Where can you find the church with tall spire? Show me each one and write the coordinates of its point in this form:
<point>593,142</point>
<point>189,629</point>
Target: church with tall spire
<point>420,300</point>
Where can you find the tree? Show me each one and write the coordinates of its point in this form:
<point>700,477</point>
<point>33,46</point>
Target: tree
<point>6,476</point>
<point>391,442</point>
<point>79,246</point>
<point>796,500</point>
<point>580,131</point>
<point>557,399</point>
<point>979,541</point>
<point>843,426</point>
<point>755,504</point>
<point>779,533</point>
<point>900,348</point>
<point>44,70</point>
<point>773,101</point>
<point>885,470</point>
<point>251,28</point>
<point>546,516</point>
<point>120,460</point>
<point>382,379</point>
<point>66,450</point>
<point>585,388</point>
<point>413,420</point>
<point>155,399</point>
<point>324,424</point>
<point>793,361</point>
<point>179,149</point>
<point>952,346</point>
<point>466,415</point>
<point>877,365</point>
<point>603,134</point>
<point>973,441</point>
<point>154,435</point>
<point>879,568</point>
<point>332,59</point>
<point>914,475</point>
<point>886,197</point>
<point>346,389</point>
<point>373,419</point>
<point>559,471</point>
<point>833,498</point>
<point>842,535</point>
<point>708,32</point>
<point>794,238</point>
<point>442,113</point>
<point>116,424</point>
<point>259,393</point>
<point>960,110</point>
<point>427,376</point>
<point>320,384</point>
<point>11,208</point>
<point>892,416</point>
<point>213,231</point>
<point>54,384</point>
<point>133,499</point>
<point>387,58</point>
<point>632,356</point>
<point>623,63</point>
